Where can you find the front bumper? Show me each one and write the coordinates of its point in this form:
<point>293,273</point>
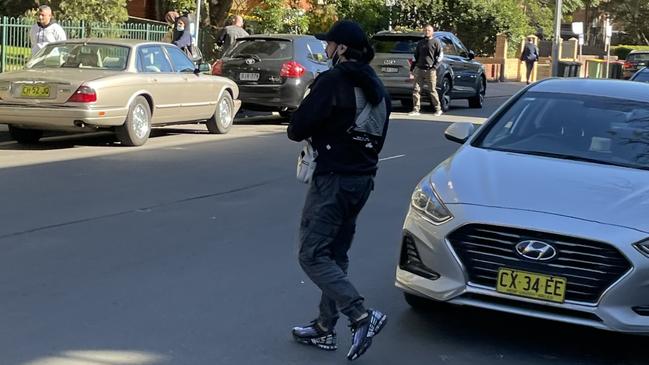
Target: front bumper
<point>612,312</point>
<point>60,117</point>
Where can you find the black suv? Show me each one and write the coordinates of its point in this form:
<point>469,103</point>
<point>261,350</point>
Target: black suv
<point>273,71</point>
<point>458,77</point>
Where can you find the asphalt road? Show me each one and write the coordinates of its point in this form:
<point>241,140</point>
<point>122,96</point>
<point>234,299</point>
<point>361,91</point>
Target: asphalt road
<point>185,252</point>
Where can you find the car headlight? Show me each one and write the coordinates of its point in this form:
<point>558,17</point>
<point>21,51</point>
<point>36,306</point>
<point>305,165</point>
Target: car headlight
<point>426,201</point>
<point>643,247</point>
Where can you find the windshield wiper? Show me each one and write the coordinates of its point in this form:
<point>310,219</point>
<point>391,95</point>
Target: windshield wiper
<point>575,158</point>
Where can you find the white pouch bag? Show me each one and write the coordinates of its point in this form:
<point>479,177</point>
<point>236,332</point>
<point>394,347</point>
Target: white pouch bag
<point>306,163</point>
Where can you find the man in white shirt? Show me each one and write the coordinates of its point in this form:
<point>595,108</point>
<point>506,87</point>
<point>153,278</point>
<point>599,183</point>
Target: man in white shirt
<point>46,30</point>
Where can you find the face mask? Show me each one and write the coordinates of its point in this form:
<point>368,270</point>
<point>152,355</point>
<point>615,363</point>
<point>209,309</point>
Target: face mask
<point>180,28</point>
<point>333,61</point>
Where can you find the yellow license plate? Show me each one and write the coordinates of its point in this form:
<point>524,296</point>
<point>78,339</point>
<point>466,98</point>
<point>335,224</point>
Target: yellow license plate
<point>531,285</point>
<point>35,91</point>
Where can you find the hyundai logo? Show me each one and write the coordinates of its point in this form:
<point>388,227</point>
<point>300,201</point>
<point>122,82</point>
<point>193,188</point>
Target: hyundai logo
<point>250,61</point>
<point>536,250</point>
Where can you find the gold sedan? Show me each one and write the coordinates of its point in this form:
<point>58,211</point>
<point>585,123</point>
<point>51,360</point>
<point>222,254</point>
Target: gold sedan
<point>126,86</point>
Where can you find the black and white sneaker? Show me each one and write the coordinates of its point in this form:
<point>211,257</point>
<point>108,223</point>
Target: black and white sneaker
<point>313,335</point>
<point>363,331</point>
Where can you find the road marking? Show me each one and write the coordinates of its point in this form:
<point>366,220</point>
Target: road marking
<point>391,157</point>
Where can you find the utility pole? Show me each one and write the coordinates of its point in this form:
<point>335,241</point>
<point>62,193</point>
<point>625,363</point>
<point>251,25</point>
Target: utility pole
<point>198,21</point>
<point>557,38</point>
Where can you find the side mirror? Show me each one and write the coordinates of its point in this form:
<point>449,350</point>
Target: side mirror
<point>471,55</point>
<point>205,68</point>
<point>459,132</point>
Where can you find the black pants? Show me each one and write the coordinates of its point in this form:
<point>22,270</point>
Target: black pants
<point>327,229</point>
<point>530,66</point>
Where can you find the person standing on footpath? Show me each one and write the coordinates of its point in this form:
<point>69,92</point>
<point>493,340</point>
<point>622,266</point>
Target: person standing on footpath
<point>428,56</point>
<point>331,116</point>
<point>231,33</point>
<point>46,30</point>
<point>530,55</point>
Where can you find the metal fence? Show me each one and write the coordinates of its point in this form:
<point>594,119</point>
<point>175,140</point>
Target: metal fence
<point>15,45</point>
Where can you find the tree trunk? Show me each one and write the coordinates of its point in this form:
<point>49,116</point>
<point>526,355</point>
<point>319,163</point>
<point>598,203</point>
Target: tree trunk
<point>219,10</point>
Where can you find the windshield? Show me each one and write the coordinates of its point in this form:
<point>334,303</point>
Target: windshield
<point>638,57</point>
<point>395,44</point>
<point>267,49</point>
<point>576,127</point>
<point>81,55</point>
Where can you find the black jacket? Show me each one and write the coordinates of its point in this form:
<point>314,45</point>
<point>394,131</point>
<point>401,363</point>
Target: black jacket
<point>427,54</point>
<point>329,111</point>
<point>530,53</point>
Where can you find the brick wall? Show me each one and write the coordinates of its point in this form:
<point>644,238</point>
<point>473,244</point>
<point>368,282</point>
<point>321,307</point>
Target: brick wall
<point>141,9</point>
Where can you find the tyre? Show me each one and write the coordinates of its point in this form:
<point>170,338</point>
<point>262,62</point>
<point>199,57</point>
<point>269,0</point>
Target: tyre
<point>136,129</point>
<point>478,100</point>
<point>445,94</point>
<point>25,136</point>
<point>223,118</point>
<point>418,302</point>
<point>407,104</point>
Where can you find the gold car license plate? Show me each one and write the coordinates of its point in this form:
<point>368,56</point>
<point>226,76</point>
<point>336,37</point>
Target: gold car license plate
<point>35,91</point>
<point>531,285</point>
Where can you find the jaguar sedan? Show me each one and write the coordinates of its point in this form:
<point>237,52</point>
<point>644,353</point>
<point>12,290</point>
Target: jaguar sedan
<point>125,86</point>
<point>542,212</point>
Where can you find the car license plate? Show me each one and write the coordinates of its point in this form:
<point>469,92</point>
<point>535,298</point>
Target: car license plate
<point>247,76</point>
<point>35,91</point>
<point>389,69</point>
<point>531,285</point>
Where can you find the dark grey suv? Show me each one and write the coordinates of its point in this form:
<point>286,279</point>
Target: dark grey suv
<point>459,76</point>
<point>273,71</point>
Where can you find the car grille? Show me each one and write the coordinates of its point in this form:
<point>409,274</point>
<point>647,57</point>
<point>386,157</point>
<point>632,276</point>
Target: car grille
<point>589,266</point>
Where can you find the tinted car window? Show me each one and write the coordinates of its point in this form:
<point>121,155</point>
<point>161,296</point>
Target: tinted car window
<point>577,127</point>
<point>638,57</point>
<point>316,51</point>
<point>268,49</point>
<point>152,59</point>
<point>460,47</point>
<point>448,46</point>
<point>642,76</point>
<point>180,61</point>
<point>392,44</point>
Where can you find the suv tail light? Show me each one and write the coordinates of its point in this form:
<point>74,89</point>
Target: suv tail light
<point>84,94</point>
<point>217,68</point>
<point>292,70</point>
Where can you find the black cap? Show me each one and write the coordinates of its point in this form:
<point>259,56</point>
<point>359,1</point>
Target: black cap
<point>346,32</point>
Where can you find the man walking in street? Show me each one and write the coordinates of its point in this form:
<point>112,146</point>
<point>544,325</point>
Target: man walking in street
<point>530,55</point>
<point>346,117</point>
<point>231,33</point>
<point>46,30</point>
<point>428,56</point>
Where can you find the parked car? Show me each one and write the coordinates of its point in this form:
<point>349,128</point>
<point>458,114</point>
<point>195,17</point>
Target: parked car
<point>125,86</point>
<point>542,211</point>
<point>458,77</point>
<point>642,75</point>
<point>273,71</point>
<point>634,62</point>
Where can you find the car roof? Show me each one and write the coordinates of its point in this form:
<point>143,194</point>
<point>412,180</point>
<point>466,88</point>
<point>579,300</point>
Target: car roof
<point>619,89</point>
<point>637,52</point>
<point>290,37</point>
<point>113,41</point>
<point>387,33</point>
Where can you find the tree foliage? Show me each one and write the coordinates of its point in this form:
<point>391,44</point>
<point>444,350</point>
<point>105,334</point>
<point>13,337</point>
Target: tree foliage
<point>633,14</point>
<point>273,16</point>
<point>107,11</point>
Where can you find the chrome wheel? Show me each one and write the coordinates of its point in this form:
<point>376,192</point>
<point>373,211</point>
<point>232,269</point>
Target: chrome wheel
<point>140,121</point>
<point>225,113</point>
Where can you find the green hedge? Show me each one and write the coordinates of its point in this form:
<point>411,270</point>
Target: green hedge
<point>623,50</point>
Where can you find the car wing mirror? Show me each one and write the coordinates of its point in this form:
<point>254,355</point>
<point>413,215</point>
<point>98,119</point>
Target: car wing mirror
<point>471,55</point>
<point>459,132</point>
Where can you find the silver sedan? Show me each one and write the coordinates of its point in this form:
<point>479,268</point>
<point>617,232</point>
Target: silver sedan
<point>543,211</point>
